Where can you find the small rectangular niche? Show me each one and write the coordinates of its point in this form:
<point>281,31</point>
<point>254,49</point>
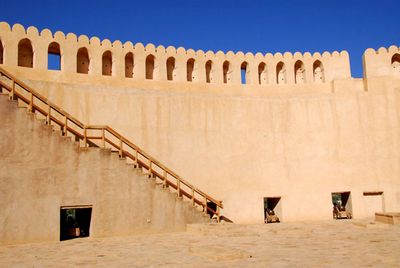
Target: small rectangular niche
<point>75,221</point>
<point>272,209</point>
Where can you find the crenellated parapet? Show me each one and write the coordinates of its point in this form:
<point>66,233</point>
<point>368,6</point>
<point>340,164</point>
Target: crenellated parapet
<point>382,62</point>
<point>92,56</point>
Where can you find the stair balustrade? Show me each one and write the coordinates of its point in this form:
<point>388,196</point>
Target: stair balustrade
<point>105,137</point>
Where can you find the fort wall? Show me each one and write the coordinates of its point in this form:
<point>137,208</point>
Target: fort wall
<point>41,172</point>
<point>239,142</point>
<point>382,62</point>
<point>29,48</point>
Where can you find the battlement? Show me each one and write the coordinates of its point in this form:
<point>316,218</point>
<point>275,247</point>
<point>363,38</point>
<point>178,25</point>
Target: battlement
<point>381,62</point>
<point>92,56</point>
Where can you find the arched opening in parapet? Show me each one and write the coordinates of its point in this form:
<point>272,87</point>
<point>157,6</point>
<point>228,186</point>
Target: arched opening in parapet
<point>1,52</point>
<point>106,61</point>
<point>208,71</point>
<point>25,53</point>
<point>82,61</point>
<point>190,70</point>
<point>129,65</point>
<point>299,72</point>
<point>171,69</point>
<point>54,57</point>
<point>318,72</point>
<point>262,73</point>
<point>226,68</point>
<point>244,73</point>
<point>150,66</point>
<point>396,63</point>
<point>280,73</point>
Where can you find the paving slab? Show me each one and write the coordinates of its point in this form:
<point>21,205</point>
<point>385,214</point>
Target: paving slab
<point>345,243</point>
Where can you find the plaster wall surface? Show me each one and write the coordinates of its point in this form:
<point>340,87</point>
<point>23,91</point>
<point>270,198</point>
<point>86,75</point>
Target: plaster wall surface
<point>41,171</point>
<point>301,144</point>
<point>382,62</point>
<point>240,143</point>
<point>225,68</point>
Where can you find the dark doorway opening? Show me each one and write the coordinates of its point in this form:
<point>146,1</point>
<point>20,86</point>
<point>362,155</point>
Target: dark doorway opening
<point>213,206</point>
<point>272,209</point>
<point>75,222</point>
<point>342,208</point>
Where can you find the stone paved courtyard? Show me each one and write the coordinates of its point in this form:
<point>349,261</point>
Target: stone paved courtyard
<point>318,244</point>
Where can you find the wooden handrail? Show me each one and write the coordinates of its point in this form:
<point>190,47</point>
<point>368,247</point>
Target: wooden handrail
<point>149,163</point>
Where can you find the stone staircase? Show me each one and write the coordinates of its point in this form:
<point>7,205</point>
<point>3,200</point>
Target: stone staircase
<point>47,164</point>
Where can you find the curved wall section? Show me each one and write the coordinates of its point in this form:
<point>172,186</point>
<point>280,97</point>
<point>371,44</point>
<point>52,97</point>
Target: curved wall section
<point>93,56</point>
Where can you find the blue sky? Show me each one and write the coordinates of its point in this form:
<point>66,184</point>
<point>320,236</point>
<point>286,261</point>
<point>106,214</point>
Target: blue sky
<point>248,26</point>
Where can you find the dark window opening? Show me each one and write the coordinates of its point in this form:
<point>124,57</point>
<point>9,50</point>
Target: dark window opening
<point>243,73</point>
<point>396,63</point>
<point>189,70</point>
<point>170,69</point>
<point>82,61</point>
<point>280,73</point>
<point>1,52</point>
<point>262,74</point>
<point>107,63</point>
<point>208,71</point>
<point>129,65</point>
<point>272,209</point>
<point>213,207</point>
<point>226,72</point>
<point>75,222</point>
<point>150,67</point>
<point>54,57</point>
<point>342,207</point>
<point>25,53</point>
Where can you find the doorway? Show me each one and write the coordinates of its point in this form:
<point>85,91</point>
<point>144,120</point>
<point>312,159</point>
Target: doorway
<point>342,207</point>
<point>212,206</point>
<point>272,209</point>
<point>75,222</point>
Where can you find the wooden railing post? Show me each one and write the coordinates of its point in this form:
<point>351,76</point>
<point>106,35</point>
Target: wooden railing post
<point>193,204</point>
<point>178,184</point>
<point>218,214</point>
<point>205,205</point>
<point>165,179</point>
<point>65,125</point>
<point>150,168</point>
<point>84,136</point>
<point>30,105</point>
<point>120,148</point>
<point>136,159</point>
<point>103,138</point>
<point>12,92</point>
<point>48,117</point>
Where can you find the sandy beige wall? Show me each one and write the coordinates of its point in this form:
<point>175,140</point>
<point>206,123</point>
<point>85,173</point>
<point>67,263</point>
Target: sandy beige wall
<point>41,171</point>
<point>382,62</point>
<point>332,66</point>
<point>300,143</point>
